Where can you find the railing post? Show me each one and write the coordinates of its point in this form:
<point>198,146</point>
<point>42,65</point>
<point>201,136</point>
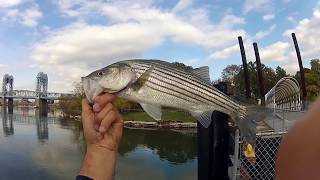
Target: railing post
<point>302,78</point>
<point>236,155</point>
<point>245,68</point>
<point>260,75</point>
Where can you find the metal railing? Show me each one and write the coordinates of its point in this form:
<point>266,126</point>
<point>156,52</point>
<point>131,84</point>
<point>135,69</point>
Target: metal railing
<point>262,166</point>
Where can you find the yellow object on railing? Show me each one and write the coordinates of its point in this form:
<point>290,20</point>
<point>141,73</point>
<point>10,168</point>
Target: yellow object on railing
<point>249,152</point>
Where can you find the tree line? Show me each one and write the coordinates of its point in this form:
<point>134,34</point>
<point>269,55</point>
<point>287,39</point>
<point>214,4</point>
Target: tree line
<point>234,74</point>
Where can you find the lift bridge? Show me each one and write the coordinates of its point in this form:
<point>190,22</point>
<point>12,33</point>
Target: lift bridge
<point>41,94</point>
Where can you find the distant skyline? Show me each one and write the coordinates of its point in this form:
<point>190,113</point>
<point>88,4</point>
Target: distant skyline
<point>68,39</point>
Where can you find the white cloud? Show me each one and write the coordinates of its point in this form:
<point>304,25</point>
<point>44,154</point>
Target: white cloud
<point>308,35</point>
<point>262,34</point>
<point>75,50</point>
<point>30,17</point>
<point>234,49</point>
<point>251,5</point>
<point>9,3</point>
<point>26,16</point>
<point>292,19</point>
<point>276,52</point>
<point>268,17</point>
<point>225,53</point>
<point>282,52</point>
<point>182,5</point>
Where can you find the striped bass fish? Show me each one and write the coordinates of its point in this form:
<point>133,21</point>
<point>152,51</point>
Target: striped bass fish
<point>156,83</point>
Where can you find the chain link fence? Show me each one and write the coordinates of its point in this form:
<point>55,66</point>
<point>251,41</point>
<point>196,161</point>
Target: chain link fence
<point>262,166</point>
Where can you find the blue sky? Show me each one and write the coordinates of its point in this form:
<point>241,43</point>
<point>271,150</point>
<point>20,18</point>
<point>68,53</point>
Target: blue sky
<point>68,39</point>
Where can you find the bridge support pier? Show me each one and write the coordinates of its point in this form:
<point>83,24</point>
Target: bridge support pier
<point>42,104</point>
<point>7,102</point>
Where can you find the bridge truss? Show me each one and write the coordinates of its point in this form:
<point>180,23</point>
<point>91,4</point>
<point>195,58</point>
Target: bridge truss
<point>41,90</point>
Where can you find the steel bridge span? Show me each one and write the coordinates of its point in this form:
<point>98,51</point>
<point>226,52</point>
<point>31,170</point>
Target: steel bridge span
<point>41,94</point>
<point>28,94</point>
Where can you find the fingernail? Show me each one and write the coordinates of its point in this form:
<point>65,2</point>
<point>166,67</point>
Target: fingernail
<point>96,107</point>
<point>96,127</point>
<point>102,129</point>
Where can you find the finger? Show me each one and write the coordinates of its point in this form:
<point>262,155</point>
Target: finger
<point>101,100</point>
<point>87,115</point>
<point>111,117</point>
<point>117,128</point>
<point>99,116</point>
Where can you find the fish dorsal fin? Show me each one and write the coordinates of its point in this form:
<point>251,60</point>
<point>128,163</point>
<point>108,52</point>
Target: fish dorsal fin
<point>204,117</point>
<point>202,72</point>
<point>152,110</point>
<point>142,79</point>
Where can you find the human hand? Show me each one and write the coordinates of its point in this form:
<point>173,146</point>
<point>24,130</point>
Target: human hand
<point>102,123</point>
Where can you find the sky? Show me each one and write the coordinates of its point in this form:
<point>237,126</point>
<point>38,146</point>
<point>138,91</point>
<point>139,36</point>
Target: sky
<point>68,39</point>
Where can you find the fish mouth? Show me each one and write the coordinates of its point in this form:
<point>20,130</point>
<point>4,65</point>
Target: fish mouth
<point>91,88</point>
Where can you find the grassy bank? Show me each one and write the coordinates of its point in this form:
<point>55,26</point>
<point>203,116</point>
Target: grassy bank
<point>166,116</point>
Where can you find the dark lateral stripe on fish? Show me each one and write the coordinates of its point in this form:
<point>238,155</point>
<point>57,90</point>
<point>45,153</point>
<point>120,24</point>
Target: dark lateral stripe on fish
<point>182,90</point>
<point>165,92</point>
<point>196,91</point>
<point>210,88</point>
<point>195,78</point>
<point>211,101</point>
<point>192,81</point>
<point>222,101</point>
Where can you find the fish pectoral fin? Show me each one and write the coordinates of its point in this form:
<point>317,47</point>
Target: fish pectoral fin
<point>142,79</point>
<point>152,110</point>
<point>204,117</point>
<point>202,72</point>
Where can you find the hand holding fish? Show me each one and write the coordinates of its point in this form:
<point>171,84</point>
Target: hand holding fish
<point>102,125</point>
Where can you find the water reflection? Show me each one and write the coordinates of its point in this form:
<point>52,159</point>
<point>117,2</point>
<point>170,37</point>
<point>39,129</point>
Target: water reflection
<point>174,147</point>
<point>143,154</point>
<point>7,123</point>
<point>42,128</point>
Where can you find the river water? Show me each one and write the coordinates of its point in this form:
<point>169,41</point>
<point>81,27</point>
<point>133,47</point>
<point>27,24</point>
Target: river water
<point>33,147</point>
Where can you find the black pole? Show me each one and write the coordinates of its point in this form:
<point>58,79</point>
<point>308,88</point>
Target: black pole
<point>213,144</point>
<point>303,84</point>
<point>260,76</point>
<point>245,68</point>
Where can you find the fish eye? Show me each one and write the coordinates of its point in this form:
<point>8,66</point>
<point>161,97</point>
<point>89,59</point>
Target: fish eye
<point>100,73</point>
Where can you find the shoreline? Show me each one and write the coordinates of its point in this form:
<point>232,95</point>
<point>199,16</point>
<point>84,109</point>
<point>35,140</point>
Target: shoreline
<point>159,125</point>
<point>151,124</point>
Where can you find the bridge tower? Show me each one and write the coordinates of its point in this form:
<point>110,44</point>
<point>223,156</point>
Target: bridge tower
<point>41,92</point>
<point>7,88</point>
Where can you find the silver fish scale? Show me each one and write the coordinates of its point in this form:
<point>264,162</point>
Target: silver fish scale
<point>186,77</point>
<point>176,88</point>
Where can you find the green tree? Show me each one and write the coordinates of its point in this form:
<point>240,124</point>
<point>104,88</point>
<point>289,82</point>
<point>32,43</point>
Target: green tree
<point>182,66</point>
<point>280,73</point>
<point>228,74</point>
<point>269,76</point>
<point>315,66</point>
<point>312,79</point>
